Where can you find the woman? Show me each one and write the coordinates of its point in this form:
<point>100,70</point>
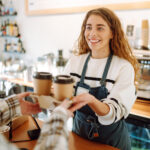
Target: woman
<point>105,73</point>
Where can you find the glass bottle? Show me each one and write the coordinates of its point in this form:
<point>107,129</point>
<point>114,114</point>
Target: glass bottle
<point>60,59</point>
<point>15,29</point>
<point>19,45</point>
<point>11,8</point>
<point>60,63</point>
<point>145,34</point>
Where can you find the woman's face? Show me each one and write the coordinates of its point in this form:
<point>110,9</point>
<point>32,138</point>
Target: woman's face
<point>97,34</point>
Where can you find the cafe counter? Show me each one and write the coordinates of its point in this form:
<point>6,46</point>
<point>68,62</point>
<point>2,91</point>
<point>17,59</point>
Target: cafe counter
<point>21,139</point>
<point>139,116</point>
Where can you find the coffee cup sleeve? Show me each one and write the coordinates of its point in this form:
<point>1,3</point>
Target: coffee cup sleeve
<point>45,102</point>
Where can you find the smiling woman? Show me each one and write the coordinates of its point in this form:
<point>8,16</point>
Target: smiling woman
<point>104,65</point>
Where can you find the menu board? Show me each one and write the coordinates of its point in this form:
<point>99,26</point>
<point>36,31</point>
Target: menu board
<point>68,6</point>
<point>46,4</point>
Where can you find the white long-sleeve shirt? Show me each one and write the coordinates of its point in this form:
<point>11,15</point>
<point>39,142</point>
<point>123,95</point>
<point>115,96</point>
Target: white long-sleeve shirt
<point>119,82</point>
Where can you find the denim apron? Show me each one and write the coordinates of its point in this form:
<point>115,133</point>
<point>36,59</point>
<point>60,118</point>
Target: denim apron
<point>85,122</point>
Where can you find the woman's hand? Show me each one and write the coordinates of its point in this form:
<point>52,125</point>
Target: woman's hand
<point>97,106</point>
<point>28,108</point>
<point>76,103</point>
<point>81,100</point>
<point>66,104</point>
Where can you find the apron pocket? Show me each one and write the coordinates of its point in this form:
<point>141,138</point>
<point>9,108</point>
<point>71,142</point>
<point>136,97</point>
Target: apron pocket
<point>85,129</point>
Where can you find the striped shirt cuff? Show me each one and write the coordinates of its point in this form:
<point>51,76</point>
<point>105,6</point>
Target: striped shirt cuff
<point>13,105</point>
<point>107,119</point>
<point>9,108</point>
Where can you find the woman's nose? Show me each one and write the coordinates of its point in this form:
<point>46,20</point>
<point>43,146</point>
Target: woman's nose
<point>93,32</point>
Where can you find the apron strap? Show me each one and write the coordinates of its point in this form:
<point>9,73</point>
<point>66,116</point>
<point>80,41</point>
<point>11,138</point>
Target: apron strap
<point>103,80</point>
<point>85,68</point>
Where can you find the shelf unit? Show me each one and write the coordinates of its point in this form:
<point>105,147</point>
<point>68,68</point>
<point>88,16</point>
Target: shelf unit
<point>15,42</point>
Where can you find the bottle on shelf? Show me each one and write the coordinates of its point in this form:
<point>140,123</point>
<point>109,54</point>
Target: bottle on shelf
<point>129,33</point>
<point>7,46</point>
<point>1,4</point>
<point>19,45</point>
<point>60,59</point>
<point>15,29</point>
<point>4,29</point>
<point>60,62</point>
<point>10,28</point>
<point>11,8</point>
<point>145,34</point>
<point>2,8</point>
<point>1,29</point>
<point>7,27</point>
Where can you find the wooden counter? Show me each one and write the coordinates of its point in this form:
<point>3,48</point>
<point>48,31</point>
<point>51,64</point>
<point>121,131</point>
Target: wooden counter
<point>140,114</point>
<point>16,81</point>
<point>78,143</point>
<point>141,108</point>
<point>75,142</point>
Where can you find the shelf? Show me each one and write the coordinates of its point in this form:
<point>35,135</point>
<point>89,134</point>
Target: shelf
<point>12,52</point>
<point>8,36</point>
<point>142,54</point>
<point>13,15</point>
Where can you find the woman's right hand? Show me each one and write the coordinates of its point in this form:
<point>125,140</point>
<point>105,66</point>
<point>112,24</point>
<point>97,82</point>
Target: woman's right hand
<point>81,100</point>
<point>71,106</point>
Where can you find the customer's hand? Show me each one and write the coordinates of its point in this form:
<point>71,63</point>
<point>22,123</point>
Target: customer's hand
<point>28,108</point>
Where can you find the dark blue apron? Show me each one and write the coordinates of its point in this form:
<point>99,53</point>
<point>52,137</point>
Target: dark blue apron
<point>85,122</point>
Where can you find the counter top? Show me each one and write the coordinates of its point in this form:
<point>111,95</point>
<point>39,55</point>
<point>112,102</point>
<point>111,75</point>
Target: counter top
<point>140,114</point>
<point>16,81</point>
<point>75,142</point>
<point>141,108</point>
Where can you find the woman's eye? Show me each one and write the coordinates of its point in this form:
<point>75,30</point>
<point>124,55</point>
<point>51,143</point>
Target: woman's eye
<point>88,28</point>
<point>100,28</point>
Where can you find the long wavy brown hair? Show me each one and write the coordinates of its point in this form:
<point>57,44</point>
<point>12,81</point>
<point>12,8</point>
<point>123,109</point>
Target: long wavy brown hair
<point>118,44</point>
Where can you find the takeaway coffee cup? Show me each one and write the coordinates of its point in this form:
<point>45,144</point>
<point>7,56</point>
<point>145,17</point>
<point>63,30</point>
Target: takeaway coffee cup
<point>63,87</point>
<point>42,82</point>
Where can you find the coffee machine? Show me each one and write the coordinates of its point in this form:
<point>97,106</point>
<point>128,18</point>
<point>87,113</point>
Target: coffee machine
<point>144,83</point>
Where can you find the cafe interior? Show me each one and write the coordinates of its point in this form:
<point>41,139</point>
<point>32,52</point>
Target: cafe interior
<point>40,36</point>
